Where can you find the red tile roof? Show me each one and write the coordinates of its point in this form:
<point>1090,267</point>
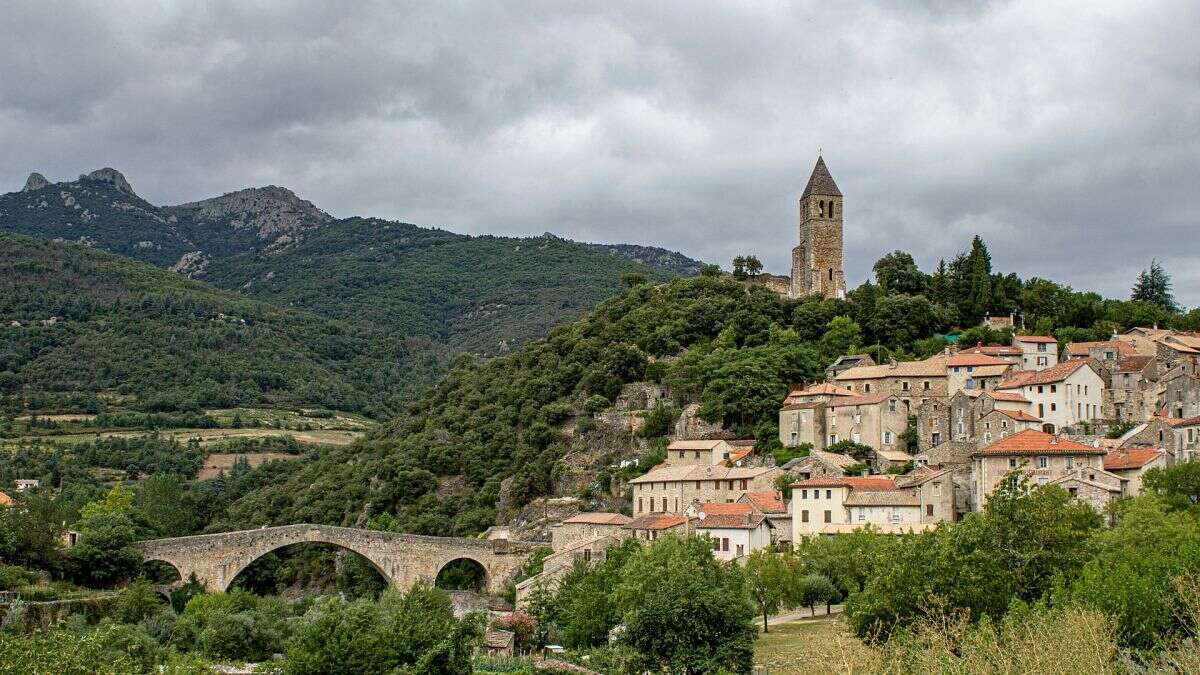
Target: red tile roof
<point>726,508</point>
<point>975,359</point>
<point>1081,349</point>
<point>1007,396</point>
<point>1030,442</point>
<point>660,522</point>
<point>993,350</point>
<point>874,483</point>
<point>823,389</point>
<point>5,500</point>
<point>1052,375</point>
<point>1131,458</point>
<point>766,502</point>
<point>848,401</point>
<point>598,518</point>
<point>1020,415</point>
<point>735,456</point>
<point>1034,338</point>
<point>748,521</point>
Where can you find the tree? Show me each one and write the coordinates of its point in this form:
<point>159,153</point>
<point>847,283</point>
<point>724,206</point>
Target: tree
<point>770,580</point>
<point>1153,286</point>
<point>167,505</point>
<point>897,272</point>
<point>36,524</point>
<point>739,267</point>
<point>1177,486</point>
<point>818,589</point>
<point>841,336</point>
<point>631,279</point>
<point>676,577</point>
<point>103,556</point>
<point>754,266</point>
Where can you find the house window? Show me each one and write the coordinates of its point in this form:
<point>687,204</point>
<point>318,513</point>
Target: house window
<point>716,544</point>
<point>862,514</point>
<point>697,456</point>
<point>697,485</point>
<point>1041,389</point>
<point>929,509</point>
<point>1070,462</point>
<point>724,543</point>
<point>1012,462</point>
<point>829,494</point>
<point>904,386</point>
<point>936,439</point>
<point>987,437</point>
<point>887,438</point>
<point>1054,389</point>
<point>833,439</point>
<point>1041,346</point>
<point>892,404</point>
<point>804,494</point>
<point>867,387</point>
<point>640,509</point>
<point>1042,361</point>
<point>1053,407</point>
<point>895,517</point>
<point>829,516</point>
<point>925,385</point>
<point>1003,424</point>
<point>1041,410</point>
<point>804,516</point>
<point>739,550</point>
<point>856,437</point>
<point>664,503</point>
<point>858,418</point>
<point>1043,462</point>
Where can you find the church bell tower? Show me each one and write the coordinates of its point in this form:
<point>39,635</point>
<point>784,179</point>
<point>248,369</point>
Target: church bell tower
<point>817,260</point>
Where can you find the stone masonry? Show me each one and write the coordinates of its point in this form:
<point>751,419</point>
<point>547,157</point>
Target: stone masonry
<point>817,259</point>
<point>402,559</point>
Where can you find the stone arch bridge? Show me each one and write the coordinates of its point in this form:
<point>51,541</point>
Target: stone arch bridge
<point>402,559</point>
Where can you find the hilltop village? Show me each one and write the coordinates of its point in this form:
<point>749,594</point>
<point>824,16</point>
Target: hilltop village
<point>899,447</point>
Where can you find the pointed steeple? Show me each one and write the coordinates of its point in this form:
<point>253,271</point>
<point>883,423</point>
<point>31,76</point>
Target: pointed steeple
<point>820,182</point>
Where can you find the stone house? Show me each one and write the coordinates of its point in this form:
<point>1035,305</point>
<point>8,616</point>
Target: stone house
<point>708,452</point>
<point>819,502</point>
<point>1041,456</point>
<point>672,489</point>
<point>1178,392</point>
<point>1130,464</point>
<point>876,420</point>
<point>1143,341</point>
<point>772,506</point>
<point>940,421</point>
<point>1132,391</point>
<point>1103,351</point>
<point>820,463</point>
<point>801,423</point>
<point>586,526</point>
<point>1061,396</point>
<point>735,529</point>
<point>974,371</point>
<point>1094,487</point>
<point>498,642</point>
<point>913,382</point>
<point>1038,352</point>
<point>1179,347</point>
<point>1180,438</point>
<point>817,392</point>
<point>1003,423</point>
<point>910,503</point>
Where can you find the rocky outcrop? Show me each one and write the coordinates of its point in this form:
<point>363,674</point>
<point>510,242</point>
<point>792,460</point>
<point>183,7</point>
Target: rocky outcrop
<point>275,213</point>
<point>36,181</point>
<point>191,264</point>
<point>112,177</point>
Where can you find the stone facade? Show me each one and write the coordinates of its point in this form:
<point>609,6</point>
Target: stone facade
<point>673,489</point>
<point>817,259</point>
<point>402,559</point>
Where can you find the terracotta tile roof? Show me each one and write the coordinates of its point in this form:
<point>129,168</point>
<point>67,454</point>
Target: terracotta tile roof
<point>894,455</point>
<point>1007,396</point>
<point>1020,415</point>
<point>1081,349</point>
<point>1131,458</point>
<point>766,502</point>
<point>694,445</point>
<point>994,350</point>
<point>991,371</point>
<point>1178,421</point>
<point>748,521</point>
<point>934,366</point>
<point>700,472</point>
<point>5,500</point>
<point>975,359</point>
<point>1132,364</point>
<point>919,476</point>
<point>663,521</point>
<point>850,401</point>
<point>726,508</point>
<point>1034,338</point>
<point>1030,442</point>
<point>875,483</point>
<point>808,405</point>
<point>1052,375</point>
<point>823,389</point>
<point>882,498</point>
<point>598,518</point>
<point>736,456</point>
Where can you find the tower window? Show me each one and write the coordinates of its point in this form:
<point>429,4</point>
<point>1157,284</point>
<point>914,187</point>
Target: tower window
<point>831,209</point>
<point>831,274</point>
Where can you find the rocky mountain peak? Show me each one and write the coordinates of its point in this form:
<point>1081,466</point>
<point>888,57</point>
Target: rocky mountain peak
<point>275,212</point>
<point>113,177</point>
<point>36,181</point>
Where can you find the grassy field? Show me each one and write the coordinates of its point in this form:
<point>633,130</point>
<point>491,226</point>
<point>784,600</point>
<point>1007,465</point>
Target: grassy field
<point>811,646</point>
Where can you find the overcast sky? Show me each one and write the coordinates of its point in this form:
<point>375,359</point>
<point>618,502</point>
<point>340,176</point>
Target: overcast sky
<point>1063,133</point>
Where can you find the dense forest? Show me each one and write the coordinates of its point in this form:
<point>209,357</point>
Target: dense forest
<point>492,431</point>
<point>83,329</point>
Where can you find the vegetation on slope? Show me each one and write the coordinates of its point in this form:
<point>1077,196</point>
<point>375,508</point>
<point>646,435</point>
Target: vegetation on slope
<point>159,342</point>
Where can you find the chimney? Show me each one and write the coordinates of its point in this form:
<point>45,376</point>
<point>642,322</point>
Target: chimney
<point>892,361</point>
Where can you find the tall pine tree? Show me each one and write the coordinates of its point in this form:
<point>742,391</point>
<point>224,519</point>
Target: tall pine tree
<point>1154,286</point>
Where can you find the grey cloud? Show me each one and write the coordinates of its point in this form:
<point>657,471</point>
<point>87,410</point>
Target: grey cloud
<point>1063,133</point>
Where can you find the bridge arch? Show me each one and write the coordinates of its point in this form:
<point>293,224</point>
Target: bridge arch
<point>454,568</point>
<point>401,559</point>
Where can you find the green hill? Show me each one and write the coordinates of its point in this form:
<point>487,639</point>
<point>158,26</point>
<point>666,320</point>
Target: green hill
<point>80,328</point>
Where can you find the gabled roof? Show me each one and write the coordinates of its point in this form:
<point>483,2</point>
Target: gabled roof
<point>700,472</point>
<point>994,350</point>
<point>882,498</point>
<point>874,483</point>
<point>851,401</point>
<point>1051,375</point>
<point>1131,458</point>
<point>1034,338</point>
<point>748,521</point>
<point>1030,442</point>
<point>934,366</point>
<point>656,522</point>
<point>598,518</point>
<point>975,359</point>
<point>1019,415</point>
<point>820,182</point>
<point>1081,349</point>
<point>894,455</point>
<point>822,389</point>
<point>1133,364</point>
<point>1009,396</point>
<point>736,456</point>
<point>766,502</point>
<point>725,508</point>
<point>5,500</point>
<point>919,476</point>
<point>694,445</point>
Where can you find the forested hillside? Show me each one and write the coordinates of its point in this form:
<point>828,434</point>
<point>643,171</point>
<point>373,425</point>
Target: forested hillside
<point>477,294</point>
<point>492,432</point>
<point>82,329</point>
